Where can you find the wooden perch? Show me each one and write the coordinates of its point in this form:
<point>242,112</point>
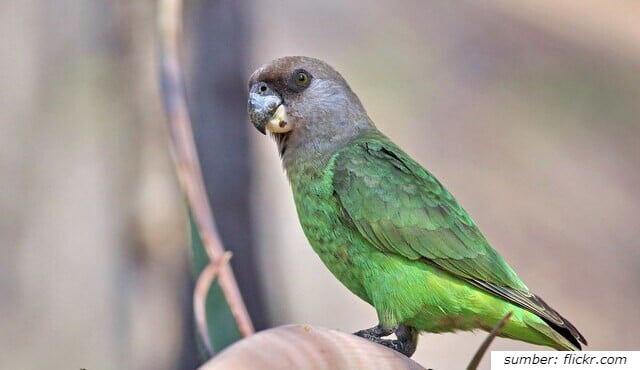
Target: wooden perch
<point>310,348</point>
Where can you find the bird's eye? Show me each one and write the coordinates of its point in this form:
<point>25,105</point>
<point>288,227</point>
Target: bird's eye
<point>302,78</point>
<point>299,80</point>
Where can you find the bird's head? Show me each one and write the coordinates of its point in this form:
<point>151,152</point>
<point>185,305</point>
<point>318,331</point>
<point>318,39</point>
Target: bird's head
<point>304,98</point>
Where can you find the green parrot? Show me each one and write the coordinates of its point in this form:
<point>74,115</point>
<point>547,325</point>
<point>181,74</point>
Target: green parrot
<point>385,226</point>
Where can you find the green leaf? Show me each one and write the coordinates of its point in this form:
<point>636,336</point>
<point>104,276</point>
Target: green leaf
<point>199,257</point>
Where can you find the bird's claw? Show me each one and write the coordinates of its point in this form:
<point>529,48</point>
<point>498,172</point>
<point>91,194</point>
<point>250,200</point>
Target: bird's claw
<point>406,343</point>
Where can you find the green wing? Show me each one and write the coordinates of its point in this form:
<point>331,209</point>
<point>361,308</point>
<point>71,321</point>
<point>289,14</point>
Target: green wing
<point>401,208</point>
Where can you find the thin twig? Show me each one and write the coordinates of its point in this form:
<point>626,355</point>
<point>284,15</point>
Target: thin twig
<point>475,361</point>
<point>186,158</point>
<point>203,285</point>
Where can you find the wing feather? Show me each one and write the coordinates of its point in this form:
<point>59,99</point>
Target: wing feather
<point>401,208</point>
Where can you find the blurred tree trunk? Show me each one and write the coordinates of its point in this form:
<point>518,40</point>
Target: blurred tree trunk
<point>217,35</point>
<point>91,232</point>
<point>72,140</point>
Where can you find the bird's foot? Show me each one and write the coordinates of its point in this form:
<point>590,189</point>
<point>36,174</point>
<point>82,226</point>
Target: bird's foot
<point>406,343</point>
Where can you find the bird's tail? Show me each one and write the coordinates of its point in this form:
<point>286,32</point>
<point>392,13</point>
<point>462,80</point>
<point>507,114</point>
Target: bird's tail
<point>562,332</point>
<point>556,340</point>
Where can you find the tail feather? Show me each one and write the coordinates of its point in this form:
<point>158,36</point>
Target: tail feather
<point>537,306</point>
<point>566,328</point>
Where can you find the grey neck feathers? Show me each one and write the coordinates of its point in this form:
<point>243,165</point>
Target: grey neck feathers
<point>331,116</point>
<point>315,148</point>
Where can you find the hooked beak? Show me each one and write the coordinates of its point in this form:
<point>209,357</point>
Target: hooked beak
<point>266,109</point>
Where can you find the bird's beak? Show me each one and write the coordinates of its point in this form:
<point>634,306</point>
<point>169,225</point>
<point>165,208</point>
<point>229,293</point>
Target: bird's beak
<point>266,109</point>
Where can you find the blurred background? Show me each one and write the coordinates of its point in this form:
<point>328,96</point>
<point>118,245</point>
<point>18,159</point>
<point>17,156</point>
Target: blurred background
<point>528,111</point>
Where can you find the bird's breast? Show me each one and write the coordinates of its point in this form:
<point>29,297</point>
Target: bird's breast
<point>336,244</point>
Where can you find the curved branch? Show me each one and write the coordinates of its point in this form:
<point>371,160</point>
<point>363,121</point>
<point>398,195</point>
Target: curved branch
<point>186,158</point>
<point>203,285</point>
